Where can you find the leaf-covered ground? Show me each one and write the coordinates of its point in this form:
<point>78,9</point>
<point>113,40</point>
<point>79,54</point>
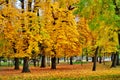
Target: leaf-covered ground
<point>62,71</point>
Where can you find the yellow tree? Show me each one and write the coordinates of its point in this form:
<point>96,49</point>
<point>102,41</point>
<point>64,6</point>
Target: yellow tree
<point>60,24</point>
<point>10,23</point>
<point>22,31</point>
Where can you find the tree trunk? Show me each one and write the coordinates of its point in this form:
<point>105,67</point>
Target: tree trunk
<point>16,64</point>
<point>53,63</point>
<point>71,60</point>
<point>114,60</point>
<point>118,63</point>
<point>100,59</point>
<point>26,65</point>
<point>95,59</point>
<point>58,60</point>
<point>87,57</point>
<point>92,59</point>
<point>43,64</point>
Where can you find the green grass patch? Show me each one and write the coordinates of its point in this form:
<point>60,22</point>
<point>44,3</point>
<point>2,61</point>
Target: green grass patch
<point>80,62</point>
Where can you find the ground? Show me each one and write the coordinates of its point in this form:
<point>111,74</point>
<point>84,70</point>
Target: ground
<point>62,71</point>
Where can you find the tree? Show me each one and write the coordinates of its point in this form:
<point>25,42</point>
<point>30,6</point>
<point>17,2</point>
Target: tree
<point>117,12</point>
<point>98,13</point>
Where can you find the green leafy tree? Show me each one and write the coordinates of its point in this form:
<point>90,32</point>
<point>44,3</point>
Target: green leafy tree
<point>99,13</point>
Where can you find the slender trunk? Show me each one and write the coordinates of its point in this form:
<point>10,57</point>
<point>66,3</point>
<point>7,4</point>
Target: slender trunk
<point>87,57</point>
<point>119,38</point>
<point>58,60</point>
<point>53,63</point>
<point>95,59</point>
<point>92,59</point>
<point>100,59</point>
<point>43,64</point>
<point>26,65</point>
<point>118,63</point>
<point>114,60</point>
<point>71,60</point>
<point>16,64</point>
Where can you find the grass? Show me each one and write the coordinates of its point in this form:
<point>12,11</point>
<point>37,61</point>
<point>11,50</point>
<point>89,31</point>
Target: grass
<point>63,72</point>
<point>80,62</point>
<point>102,77</point>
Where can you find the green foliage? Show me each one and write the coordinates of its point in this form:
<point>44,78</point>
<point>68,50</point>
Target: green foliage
<point>97,11</point>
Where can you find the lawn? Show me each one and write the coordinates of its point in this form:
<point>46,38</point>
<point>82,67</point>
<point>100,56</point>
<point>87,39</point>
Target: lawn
<point>63,72</point>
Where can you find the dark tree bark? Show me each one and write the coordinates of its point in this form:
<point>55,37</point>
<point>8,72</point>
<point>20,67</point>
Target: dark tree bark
<point>53,63</point>
<point>100,59</point>
<point>92,59</point>
<point>26,65</point>
<point>95,59</point>
<point>71,60</point>
<point>16,64</point>
<point>119,38</point>
<point>114,60</point>
<point>43,64</point>
<point>117,11</point>
<point>87,57</point>
<point>118,62</point>
<point>58,60</point>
